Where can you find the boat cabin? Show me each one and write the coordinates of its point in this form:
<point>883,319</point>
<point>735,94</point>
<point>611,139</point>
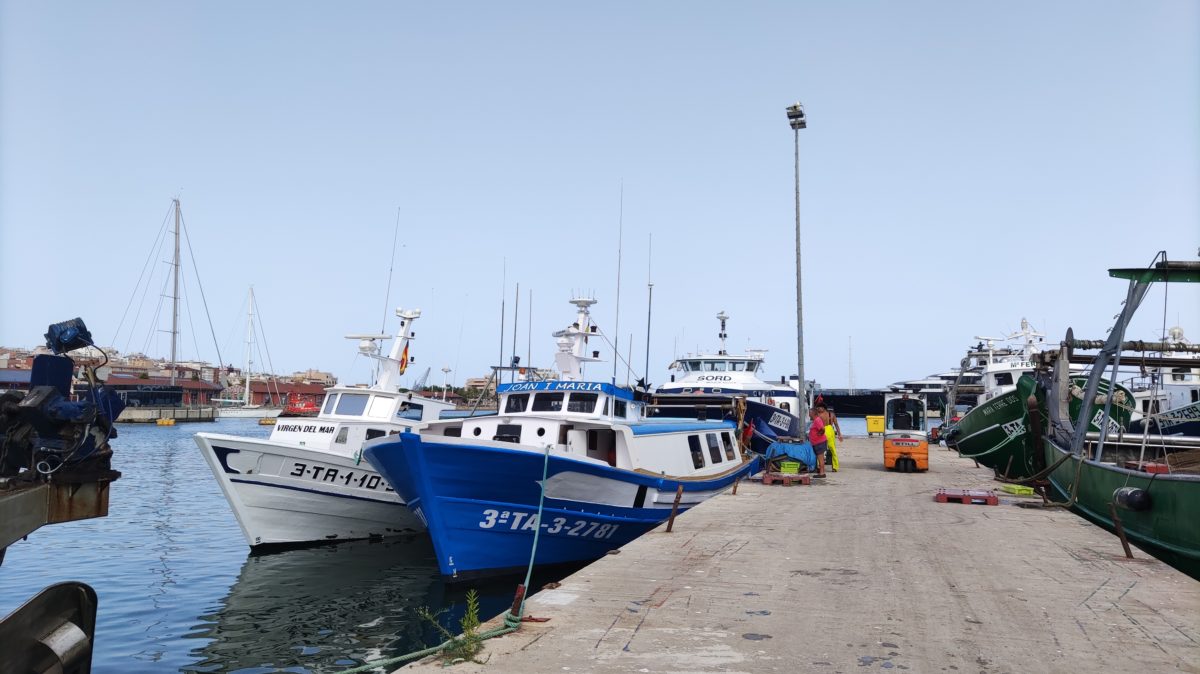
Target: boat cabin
<point>350,416</point>
<point>597,421</point>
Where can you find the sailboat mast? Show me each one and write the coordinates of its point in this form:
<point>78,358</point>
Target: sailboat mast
<point>249,351</point>
<point>175,297</point>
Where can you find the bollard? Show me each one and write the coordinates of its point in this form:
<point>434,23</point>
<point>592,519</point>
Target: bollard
<point>674,508</point>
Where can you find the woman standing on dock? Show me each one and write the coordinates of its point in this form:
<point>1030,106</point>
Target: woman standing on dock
<point>833,433</point>
<point>816,435</point>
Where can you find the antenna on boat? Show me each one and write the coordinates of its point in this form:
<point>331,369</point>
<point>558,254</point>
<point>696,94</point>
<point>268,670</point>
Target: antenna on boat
<point>387,296</point>
<point>512,377</point>
<point>503,287</point>
<point>649,305</point>
<point>529,334</point>
<point>722,316</point>
<point>617,309</point>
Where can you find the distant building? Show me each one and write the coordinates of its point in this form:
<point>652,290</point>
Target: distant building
<point>12,379</point>
<point>283,392</point>
<point>485,384</point>
<point>314,377</point>
<point>139,391</point>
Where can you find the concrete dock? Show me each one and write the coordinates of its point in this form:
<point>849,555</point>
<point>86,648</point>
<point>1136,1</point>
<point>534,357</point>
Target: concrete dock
<point>863,570</point>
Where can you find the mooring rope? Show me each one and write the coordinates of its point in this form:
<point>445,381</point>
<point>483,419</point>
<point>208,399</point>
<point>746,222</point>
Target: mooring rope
<point>511,622</point>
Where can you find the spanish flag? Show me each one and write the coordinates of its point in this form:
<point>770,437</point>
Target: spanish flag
<point>404,360</point>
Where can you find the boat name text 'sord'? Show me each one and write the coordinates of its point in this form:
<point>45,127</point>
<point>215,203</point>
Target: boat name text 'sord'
<point>525,521</point>
<point>714,377</point>
<point>298,428</point>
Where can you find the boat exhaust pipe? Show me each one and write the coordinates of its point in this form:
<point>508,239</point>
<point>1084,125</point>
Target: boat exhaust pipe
<point>1133,498</point>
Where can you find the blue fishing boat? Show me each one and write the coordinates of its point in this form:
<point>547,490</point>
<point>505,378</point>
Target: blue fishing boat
<point>608,473</point>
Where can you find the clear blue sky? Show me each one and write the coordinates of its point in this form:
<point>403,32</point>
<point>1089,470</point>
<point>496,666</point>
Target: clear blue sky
<point>966,164</point>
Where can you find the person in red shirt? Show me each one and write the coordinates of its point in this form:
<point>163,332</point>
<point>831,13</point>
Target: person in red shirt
<point>816,436</point>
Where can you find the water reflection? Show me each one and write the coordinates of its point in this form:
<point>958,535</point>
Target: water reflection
<point>332,607</point>
<point>321,609</point>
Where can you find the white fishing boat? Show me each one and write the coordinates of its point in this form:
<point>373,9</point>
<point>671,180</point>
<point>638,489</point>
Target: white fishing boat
<point>244,408</point>
<point>308,482</point>
<point>712,381</point>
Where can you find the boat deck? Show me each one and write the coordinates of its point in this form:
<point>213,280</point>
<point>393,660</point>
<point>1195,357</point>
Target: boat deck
<point>863,569</point>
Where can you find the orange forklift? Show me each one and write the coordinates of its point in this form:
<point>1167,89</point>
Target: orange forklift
<point>905,436</point>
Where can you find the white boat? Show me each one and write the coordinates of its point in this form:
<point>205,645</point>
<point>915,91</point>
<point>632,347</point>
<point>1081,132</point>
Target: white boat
<point>244,408</point>
<point>1167,399</point>
<point>715,379</point>
<point>308,482</point>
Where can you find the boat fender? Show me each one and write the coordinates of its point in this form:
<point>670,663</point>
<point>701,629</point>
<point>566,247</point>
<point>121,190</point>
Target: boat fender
<point>1133,498</point>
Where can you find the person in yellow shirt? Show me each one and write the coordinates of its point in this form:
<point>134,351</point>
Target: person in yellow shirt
<point>833,433</point>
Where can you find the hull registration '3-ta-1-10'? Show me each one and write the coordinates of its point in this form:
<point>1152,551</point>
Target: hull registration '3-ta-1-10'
<point>308,483</point>
<point>571,464</point>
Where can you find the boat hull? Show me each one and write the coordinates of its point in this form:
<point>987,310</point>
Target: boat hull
<point>1169,528</point>
<point>480,503</point>
<point>285,495</point>
<point>996,435</point>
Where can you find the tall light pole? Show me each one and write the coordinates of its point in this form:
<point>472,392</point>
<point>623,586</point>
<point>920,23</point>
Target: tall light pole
<point>445,373</point>
<point>795,115</point>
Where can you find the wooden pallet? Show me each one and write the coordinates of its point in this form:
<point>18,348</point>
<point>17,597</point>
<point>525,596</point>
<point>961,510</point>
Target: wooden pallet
<point>968,496</point>
<point>786,479</point>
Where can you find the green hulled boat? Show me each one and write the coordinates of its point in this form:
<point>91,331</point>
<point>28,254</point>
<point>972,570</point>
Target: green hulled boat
<point>1152,482</point>
<point>997,433</point>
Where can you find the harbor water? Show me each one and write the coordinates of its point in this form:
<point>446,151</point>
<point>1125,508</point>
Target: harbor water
<point>179,590</point>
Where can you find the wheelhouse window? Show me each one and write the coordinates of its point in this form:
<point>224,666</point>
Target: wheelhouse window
<point>548,402</point>
<point>352,404</point>
<point>714,448</point>
<point>410,410</point>
<point>582,402</point>
<point>725,439</point>
<point>751,367</point>
<point>1004,379</point>
<point>697,454</point>
<point>373,433</point>
<point>342,434</point>
<point>517,402</point>
<point>737,366</point>
<point>691,365</point>
<point>330,399</point>
<point>620,409</point>
<point>380,407</point>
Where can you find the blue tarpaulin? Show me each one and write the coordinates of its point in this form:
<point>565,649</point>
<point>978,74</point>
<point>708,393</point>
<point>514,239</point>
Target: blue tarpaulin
<point>803,453</point>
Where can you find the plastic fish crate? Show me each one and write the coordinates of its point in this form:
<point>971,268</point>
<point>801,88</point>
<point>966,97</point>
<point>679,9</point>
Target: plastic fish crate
<point>1016,489</point>
<point>789,467</point>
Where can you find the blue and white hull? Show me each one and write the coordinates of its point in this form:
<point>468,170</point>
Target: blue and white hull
<point>480,503</point>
